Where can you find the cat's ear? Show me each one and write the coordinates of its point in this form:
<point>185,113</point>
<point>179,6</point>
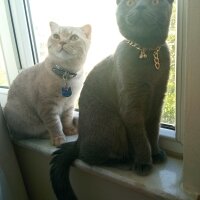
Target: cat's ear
<point>54,27</point>
<point>87,29</point>
<point>118,1</point>
<point>171,1</point>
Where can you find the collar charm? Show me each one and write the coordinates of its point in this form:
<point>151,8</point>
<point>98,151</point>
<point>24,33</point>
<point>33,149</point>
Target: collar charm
<point>143,54</point>
<point>66,91</point>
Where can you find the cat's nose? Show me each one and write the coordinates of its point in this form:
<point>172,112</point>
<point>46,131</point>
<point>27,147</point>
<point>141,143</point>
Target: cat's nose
<point>141,7</point>
<point>63,42</point>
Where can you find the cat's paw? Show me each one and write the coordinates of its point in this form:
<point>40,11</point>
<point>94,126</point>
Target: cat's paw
<point>58,140</point>
<point>160,157</point>
<point>143,169</point>
<point>70,131</point>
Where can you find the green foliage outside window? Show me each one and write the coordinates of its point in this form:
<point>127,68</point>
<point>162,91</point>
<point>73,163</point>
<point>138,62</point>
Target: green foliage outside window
<point>169,108</point>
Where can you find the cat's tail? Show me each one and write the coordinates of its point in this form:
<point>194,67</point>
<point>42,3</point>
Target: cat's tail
<point>59,171</point>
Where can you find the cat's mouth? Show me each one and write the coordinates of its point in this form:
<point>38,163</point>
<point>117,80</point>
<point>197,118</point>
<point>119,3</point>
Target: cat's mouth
<point>67,49</point>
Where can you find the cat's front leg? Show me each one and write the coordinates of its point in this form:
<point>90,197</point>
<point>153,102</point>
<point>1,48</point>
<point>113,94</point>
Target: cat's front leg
<point>139,144</point>
<point>69,128</point>
<point>153,126</point>
<point>54,126</point>
<point>132,113</point>
<point>158,155</point>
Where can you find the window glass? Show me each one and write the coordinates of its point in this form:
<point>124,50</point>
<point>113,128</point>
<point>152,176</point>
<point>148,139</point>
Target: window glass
<point>3,74</point>
<point>169,108</point>
<point>105,34</point>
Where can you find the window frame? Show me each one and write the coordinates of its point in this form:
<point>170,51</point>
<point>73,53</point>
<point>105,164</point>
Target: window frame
<point>8,47</point>
<point>25,55</point>
<point>8,44</point>
<point>23,33</point>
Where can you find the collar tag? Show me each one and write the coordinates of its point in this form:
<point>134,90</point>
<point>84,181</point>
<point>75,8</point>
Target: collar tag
<point>66,91</point>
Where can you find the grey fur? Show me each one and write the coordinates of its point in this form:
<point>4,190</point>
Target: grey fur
<point>121,100</point>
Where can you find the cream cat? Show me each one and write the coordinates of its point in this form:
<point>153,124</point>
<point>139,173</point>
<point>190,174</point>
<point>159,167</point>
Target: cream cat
<point>41,99</point>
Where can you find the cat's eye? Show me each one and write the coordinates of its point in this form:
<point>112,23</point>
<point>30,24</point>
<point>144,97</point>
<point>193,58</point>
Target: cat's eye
<point>131,2</point>
<point>155,2</point>
<point>56,36</point>
<point>74,37</point>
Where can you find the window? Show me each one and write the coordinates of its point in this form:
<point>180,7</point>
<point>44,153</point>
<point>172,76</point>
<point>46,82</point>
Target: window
<point>9,60</point>
<point>169,107</point>
<point>31,24</point>
<point>28,25</point>
<point>104,33</point>
<point>78,13</point>
<point>3,73</point>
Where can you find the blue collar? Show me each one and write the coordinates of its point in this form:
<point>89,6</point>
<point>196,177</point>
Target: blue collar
<point>63,73</point>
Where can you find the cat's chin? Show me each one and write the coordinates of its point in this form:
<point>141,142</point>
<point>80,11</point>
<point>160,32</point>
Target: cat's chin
<point>63,55</point>
<point>136,30</point>
<point>137,20</point>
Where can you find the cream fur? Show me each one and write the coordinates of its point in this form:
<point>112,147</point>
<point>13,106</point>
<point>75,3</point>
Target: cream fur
<point>35,104</point>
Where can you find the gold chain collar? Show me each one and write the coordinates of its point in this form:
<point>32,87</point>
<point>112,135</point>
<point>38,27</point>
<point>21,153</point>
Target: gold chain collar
<point>143,53</point>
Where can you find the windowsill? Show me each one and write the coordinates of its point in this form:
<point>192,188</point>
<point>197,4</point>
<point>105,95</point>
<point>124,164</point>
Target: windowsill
<point>167,133</point>
<point>165,181</point>
<point>3,96</point>
<point>4,90</point>
<point>169,142</point>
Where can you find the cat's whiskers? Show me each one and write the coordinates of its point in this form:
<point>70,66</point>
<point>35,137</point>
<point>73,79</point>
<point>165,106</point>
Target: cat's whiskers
<point>60,48</point>
<point>69,49</point>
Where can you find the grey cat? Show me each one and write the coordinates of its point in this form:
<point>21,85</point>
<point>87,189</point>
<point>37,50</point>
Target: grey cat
<point>121,100</point>
<point>41,99</point>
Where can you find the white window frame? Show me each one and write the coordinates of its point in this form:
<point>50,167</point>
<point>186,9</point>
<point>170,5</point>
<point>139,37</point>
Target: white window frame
<point>25,53</point>
<point>23,32</point>
<point>14,40</point>
<point>9,49</point>
<point>7,41</point>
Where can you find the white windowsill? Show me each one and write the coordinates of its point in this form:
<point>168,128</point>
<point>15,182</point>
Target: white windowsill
<point>169,142</point>
<point>165,181</point>
<point>4,91</point>
<point>3,96</point>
